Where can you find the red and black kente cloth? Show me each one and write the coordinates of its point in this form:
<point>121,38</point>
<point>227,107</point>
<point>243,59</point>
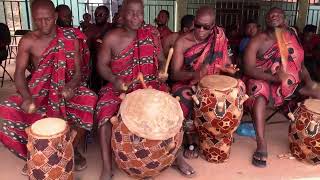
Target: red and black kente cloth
<point>141,55</point>
<point>56,68</point>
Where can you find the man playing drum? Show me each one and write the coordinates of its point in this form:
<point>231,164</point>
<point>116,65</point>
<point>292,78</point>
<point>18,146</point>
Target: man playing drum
<point>272,74</point>
<point>200,52</point>
<point>126,52</point>
<point>57,85</point>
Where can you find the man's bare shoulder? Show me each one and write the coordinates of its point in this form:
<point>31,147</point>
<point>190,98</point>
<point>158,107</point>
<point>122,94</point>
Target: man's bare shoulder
<point>260,37</point>
<point>174,35</point>
<point>29,39</point>
<point>114,35</point>
<point>184,38</point>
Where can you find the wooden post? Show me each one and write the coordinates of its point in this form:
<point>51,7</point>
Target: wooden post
<point>181,10</point>
<point>302,13</point>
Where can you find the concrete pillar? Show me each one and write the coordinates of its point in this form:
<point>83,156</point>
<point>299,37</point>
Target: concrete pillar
<point>303,6</point>
<point>181,10</point>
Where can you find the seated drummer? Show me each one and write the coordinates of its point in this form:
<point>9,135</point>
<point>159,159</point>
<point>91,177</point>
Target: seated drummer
<point>200,52</point>
<point>56,87</point>
<point>125,52</point>
<point>186,26</point>
<point>266,76</point>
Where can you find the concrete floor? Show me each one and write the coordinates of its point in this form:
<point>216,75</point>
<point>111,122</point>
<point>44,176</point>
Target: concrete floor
<point>237,168</point>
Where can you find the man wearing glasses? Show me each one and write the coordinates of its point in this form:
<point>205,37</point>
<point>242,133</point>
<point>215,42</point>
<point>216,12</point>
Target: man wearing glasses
<point>200,52</point>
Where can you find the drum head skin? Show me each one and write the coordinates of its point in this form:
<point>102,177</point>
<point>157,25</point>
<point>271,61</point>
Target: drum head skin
<point>48,127</point>
<point>312,105</point>
<point>151,114</point>
<point>218,82</point>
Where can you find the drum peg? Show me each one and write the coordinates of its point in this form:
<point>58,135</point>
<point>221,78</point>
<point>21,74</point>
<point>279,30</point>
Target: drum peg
<point>172,145</point>
<point>114,120</point>
<point>312,128</point>
<point>220,106</point>
<point>245,97</point>
<point>194,89</point>
<point>291,116</point>
<point>60,148</point>
<point>136,140</point>
<point>195,99</point>
<point>122,96</point>
<point>30,147</point>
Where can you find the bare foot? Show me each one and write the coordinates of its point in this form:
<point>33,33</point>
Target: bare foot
<point>183,167</point>
<point>24,170</point>
<point>106,175</point>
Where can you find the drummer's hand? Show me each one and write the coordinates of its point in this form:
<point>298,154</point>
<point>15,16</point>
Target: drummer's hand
<point>28,106</point>
<point>120,85</point>
<point>229,68</point>
<point>67,92</point>
<point>281,74</point>
<point>197,75</point>
<point>163,76</point>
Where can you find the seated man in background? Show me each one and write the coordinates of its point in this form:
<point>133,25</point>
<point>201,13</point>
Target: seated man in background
<point>162,24</point>
<point>186,26</point>
<point>64,16</point>
<point>5,41</point>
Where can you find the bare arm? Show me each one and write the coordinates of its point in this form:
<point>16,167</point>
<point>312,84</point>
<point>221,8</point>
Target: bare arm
<point>22,61</point>
<point>162,60</point>
<point>250,68</point>
<point>104,59</point>
<point>305,76</point>
<point>76,79</point>
<point>177,62</point>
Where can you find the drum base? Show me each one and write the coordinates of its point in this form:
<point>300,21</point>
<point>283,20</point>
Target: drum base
<point>141,158</point>
<point>304,144</point>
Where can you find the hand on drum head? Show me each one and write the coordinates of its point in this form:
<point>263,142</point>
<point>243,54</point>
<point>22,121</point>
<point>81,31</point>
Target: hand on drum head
<point>229,68</point>
<point>67,92</point>
<point>197,75</point>
<point>281,74</point>
<point>163,76</point>
<point>28,106</point>
<point>120,85</point>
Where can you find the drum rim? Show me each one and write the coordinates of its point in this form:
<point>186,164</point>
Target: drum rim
<point>212,88</point>
<point>305,107</point>
<point>137,133</point>
<point>37,136</point>
<point>40,136</point>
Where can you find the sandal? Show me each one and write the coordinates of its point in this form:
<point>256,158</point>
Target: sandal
<point>193,150</point>
<point>259,159</point>
<point>79,161</point>
<point>24,170</point>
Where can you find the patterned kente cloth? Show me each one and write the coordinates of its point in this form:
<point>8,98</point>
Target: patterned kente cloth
<point>269,62</point>
<point>55,69</point>
<point>210,53</point>
<point>140,56</point>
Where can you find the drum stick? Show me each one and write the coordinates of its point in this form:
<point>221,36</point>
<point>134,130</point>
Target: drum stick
<point>168,61</point>
<point>282,47</point>
<point>99,41</point>
<point>140,78</point>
